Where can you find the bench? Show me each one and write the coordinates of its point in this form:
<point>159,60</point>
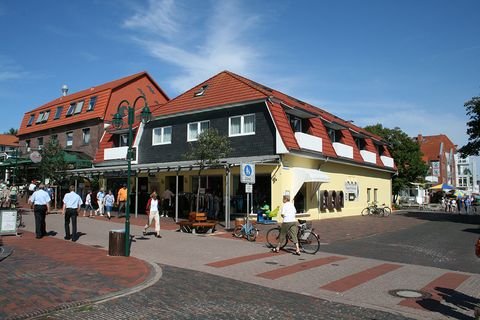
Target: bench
<point>197,222</point>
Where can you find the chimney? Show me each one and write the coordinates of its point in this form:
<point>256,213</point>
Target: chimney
<point>64,90</point>
<point>419,138</point>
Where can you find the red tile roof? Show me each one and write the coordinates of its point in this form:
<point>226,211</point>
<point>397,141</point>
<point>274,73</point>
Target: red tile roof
<point>102,92</point>
<point>430,146</point>
<point>8,140</point>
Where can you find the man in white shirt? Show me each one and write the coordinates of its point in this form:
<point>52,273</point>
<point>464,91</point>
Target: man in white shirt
<point>100,202</point>
<point>71,205</point>
<point>289,225</point>
<point>41,207</point>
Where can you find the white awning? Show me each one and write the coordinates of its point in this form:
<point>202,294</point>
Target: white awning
<point>302,175</point>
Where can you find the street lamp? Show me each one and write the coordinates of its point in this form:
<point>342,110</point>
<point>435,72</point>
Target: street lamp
<point>117,122</point>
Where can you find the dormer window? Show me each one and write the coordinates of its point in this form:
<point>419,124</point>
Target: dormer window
<point>201,91</point>
<point>335,135</point>
<point>360,142</point>
<point>380,149</point>
<point>46,115</point>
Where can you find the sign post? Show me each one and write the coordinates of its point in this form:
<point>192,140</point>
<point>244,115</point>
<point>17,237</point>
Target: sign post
<point>247,176</point>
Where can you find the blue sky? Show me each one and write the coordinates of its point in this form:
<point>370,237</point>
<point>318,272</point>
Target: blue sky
<point>410,64</point>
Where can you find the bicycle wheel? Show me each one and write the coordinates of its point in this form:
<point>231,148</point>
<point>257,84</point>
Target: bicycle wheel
<point>366,212</point>
<point>311,243</point>
<point>252,234</point>
<point>386,211</point>
<point>273,235</point>
<point>238,231</point>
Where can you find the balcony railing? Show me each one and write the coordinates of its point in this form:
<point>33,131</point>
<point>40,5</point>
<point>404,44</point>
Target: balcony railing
<point>343,150</point>
<point>387,161</point>
<point>369,156</point>
<point>307,141</point>
<point>118,153</point>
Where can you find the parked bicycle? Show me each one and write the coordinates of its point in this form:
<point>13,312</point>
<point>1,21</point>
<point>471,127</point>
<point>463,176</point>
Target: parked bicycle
<point>308,240</point>
<point>374,209</point>
<point>247,230</point>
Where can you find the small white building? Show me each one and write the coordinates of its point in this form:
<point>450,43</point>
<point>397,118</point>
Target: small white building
<point>467,174</point>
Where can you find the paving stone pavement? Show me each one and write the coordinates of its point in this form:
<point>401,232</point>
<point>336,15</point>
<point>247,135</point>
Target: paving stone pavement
<point>215,276</point>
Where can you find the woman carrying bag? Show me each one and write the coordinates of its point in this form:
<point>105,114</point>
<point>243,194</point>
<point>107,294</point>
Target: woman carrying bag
<point>152,212</point>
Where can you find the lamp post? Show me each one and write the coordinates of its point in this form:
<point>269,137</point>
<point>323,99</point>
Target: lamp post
<point>117,122</point>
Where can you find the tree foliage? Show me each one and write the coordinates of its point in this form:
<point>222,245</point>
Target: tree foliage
<point>53,163</point>
<point>207,151</point>
<point>472,148</point>
<point>406,154</point>
<point>12,131</point>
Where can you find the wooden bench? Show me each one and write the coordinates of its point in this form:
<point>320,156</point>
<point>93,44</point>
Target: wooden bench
<point>197,222</point>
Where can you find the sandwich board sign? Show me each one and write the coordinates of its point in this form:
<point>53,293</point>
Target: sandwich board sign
<point>8,222</point>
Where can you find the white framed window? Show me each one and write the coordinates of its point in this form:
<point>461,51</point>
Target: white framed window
<point>70,139</point>
<point>241,125</point>
<point>194,129</point>
<point>79,106</point>
<point>86,135</point>
<point>40,118</point>
<point>40,143</point>
<point>162,135</point>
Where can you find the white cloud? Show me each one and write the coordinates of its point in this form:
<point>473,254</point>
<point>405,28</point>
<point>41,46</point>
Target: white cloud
<point>214,40</point>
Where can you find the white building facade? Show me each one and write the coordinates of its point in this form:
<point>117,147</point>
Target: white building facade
<point>467,174</point>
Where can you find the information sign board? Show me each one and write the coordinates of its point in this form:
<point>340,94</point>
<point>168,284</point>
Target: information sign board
<point>247,173</point>
<point>8,222</point>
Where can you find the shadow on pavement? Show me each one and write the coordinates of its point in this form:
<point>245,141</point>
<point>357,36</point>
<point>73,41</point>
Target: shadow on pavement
<point>445,216</point>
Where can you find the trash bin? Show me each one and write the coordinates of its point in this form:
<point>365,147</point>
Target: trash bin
<point>116,243</point>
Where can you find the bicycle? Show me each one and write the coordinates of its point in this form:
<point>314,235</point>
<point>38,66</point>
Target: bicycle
<point>308,240</point>
<point>246,230</point>
<point>374,209</point>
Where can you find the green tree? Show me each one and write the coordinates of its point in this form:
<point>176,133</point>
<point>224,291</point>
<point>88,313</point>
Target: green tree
<point>12,131</point>
<point>472,148</point>
<point>206,151</point>
<point>406,154</point>
<point>53,163</point>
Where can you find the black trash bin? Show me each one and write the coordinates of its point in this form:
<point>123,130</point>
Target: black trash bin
<point>116,243</point>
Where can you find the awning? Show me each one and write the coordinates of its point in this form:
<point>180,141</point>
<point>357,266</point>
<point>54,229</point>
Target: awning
<point>442,186</point>
<point>302,175</point>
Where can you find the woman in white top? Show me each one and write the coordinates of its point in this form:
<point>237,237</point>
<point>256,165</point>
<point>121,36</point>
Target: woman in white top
<point>289,224</point>
<point>152,212</point>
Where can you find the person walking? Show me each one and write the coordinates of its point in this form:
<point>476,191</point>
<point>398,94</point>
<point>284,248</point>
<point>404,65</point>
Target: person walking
<point>41,207</point>
<point>88,205</point>
<point>152,212</point>
<point>109,201</point>
<point>289,224</point>
<point>71,205</point>
<point>101,202</point>
<point>167,196</point>
<point>121,199</point>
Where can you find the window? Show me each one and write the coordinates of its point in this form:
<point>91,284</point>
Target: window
<point>91,104</point>
<point>360,143</point>
<point>241,125</point>
<point>123,142</point>
<point>86,136</point>
<point>162,135</point>
<point>335,135</point>
<point>46,115</point>
<point>381,150</point>
<point>27,145</point>
<point>79,106</point>
<point>58,113</point>
<point>375,195</point>
<point>296,124</point>
<point>70,109</point>
<point>54,138</point>
<point>194,129</point>
<point>30,121</point>
<point>368,194</point>
<point>40,118</point>
<point>40,143</point>
<point>201,91</point>
<point>70,139</point>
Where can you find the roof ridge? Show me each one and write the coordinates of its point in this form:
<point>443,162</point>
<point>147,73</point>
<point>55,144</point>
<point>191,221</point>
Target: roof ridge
<point>248,82</point>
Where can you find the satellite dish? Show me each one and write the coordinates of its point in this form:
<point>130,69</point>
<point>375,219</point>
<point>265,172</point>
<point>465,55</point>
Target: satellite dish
<point>35,156</point>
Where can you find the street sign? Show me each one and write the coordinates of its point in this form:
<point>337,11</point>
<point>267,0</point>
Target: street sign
<point>248,188</point>
<point>247,173</point>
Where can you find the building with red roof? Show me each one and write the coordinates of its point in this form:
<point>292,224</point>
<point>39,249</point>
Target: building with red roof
<point>439,153</point>
<point>329,166</point>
